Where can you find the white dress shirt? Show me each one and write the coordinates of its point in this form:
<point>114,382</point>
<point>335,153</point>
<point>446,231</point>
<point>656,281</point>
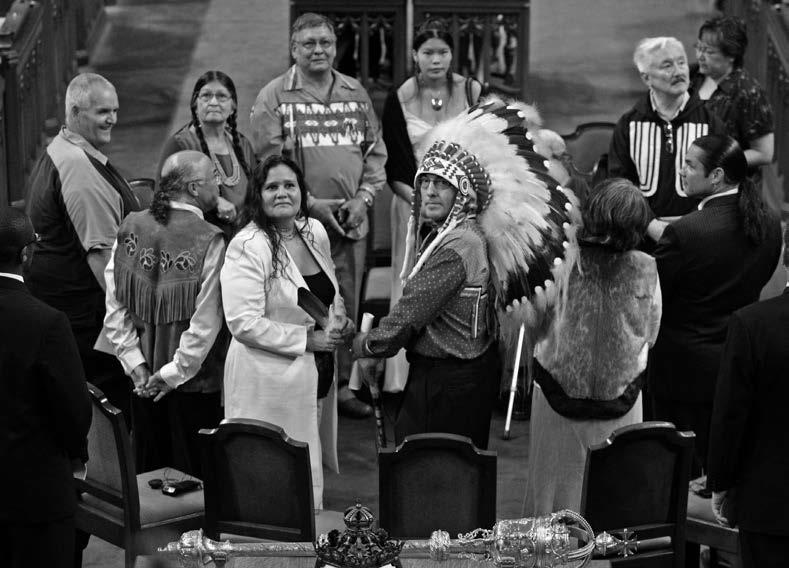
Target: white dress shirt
<point>204,325</point>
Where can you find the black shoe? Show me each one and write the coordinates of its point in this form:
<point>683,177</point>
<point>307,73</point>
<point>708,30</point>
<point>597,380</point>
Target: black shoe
<point>354,408</point>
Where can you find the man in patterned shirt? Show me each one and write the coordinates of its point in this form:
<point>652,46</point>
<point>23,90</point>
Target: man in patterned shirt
<point>651,139</point>
<point>326,121</point>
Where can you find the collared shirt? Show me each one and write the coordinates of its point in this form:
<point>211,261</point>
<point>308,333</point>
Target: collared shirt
<point>204,325</point>
<point>709,198</point>
<point>337,141</point>
<point>12,276</point>
<point>680,108</point>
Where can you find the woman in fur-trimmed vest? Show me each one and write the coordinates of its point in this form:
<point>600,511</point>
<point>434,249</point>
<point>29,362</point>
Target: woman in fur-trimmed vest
<point>590,368</point>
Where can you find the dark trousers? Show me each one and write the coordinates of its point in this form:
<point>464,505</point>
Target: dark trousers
<point>694,416</point>
<point>758,550</point>
<point>49,544</point>
<point>454,396</point>
<point>104,371</point>
<point>165,433</point>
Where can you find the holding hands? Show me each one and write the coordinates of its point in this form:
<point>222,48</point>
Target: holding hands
<point>147,385</point>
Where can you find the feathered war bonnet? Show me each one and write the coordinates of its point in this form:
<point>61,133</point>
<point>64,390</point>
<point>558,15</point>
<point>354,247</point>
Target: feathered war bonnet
<point>492,155</point>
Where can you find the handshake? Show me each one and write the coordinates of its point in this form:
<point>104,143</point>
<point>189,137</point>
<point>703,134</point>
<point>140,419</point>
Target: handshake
<point>147,385</point>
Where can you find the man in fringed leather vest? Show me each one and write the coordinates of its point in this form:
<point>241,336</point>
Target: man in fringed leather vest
<point>164,314</point>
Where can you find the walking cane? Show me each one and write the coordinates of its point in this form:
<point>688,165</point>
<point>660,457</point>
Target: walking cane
<point>514,383</point>
<point>372,383</point>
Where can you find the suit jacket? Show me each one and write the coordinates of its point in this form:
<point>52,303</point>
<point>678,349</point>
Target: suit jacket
<point>45,409</point>
<point>708,269</point>
<point>749,438</point>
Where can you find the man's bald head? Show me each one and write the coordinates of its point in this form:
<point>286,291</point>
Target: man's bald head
<point>187,176</point>
<point>189,162</point>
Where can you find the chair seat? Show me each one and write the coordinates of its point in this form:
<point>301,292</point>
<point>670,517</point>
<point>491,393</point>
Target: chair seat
<point>379,284</point>
<point>702,527</point>
<point>155,507</point>
<point>325,521</point>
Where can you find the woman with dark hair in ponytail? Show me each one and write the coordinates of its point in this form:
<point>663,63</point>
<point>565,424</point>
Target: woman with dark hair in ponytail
<point>213,131</point>
<point>711,263</point>
<point>433,94</point>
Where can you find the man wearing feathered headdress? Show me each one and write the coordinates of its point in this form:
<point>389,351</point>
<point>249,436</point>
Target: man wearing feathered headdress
<point>499,234</point>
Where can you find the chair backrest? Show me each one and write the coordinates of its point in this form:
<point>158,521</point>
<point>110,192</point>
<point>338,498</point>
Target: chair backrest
<point>638,480</point>
<point>589,141</point>
<point>111,474</point>
<point>436,481</point>
<point>143,188</point>
<point>257,482</point>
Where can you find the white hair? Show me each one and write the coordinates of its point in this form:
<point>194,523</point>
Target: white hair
<point>80,89</point>
<point>643,54</point>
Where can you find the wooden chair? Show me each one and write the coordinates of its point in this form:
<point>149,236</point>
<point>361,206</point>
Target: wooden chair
<point>436,481</point>
<point>119,506</point>
<point>258,483</point>
<point>638,480</point>
<point>143,188</point>
<point>587,144</point>
<point>702,528</point>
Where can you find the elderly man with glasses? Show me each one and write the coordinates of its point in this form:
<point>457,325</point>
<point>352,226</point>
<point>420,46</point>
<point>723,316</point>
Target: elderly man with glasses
<point>326,121</point>
<point>164,314</point>
<point>651,139</point>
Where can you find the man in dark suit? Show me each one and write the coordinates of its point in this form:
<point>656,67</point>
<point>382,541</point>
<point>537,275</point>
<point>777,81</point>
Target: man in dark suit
<point>45,413</point>
<point>711,262</point>
<point>748,463</point>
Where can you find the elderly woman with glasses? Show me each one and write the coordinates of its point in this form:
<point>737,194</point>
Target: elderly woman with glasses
<point>213,131</point>
<point>730,92</point>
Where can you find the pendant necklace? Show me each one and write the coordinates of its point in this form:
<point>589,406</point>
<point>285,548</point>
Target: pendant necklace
<point>436,103</point>
<point>235,172</point>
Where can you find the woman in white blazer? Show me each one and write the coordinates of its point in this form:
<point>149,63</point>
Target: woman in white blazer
<point>271,372</point>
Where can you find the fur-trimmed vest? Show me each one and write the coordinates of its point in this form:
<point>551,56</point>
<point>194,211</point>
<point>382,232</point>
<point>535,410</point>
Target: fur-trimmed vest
<point>158,271</point>
<point>598,352</point>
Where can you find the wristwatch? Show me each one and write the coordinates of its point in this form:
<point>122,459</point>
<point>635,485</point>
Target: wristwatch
<point>366,197</point>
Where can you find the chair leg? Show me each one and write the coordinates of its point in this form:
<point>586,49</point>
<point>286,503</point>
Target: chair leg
<point>129,557</point>
<point>692,552</point>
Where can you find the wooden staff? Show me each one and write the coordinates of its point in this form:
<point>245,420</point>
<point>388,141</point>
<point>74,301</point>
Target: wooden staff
<point>514,383</point>
<point>372,383</point>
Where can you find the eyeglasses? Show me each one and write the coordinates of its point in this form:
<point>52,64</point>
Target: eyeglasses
<point>220,97</point>
<point>311,44</point>
<point>704,49</point>
<point>668,132</point>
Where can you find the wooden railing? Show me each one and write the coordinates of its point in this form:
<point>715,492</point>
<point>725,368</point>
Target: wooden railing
<point>370,38</point>
<point>767,59</point>
<point>491,38</point>
<point>38,58</point>
<point>26,69</point>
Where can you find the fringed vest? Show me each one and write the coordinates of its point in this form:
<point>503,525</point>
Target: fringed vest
<point>158,271</point>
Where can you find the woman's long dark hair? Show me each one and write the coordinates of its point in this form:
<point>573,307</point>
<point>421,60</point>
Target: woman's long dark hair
<point>253,210</point>
<point>433,29</point>
<point>725,153</point>
<point>227,83</point>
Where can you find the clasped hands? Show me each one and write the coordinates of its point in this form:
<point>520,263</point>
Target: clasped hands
<point>339,332</point>
<point>147,385</point>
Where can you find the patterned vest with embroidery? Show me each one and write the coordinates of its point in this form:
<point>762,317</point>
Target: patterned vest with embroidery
<point>158,273</point>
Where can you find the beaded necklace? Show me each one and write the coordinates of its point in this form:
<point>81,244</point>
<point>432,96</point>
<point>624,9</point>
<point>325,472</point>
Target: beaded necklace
<point>235,171</point>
